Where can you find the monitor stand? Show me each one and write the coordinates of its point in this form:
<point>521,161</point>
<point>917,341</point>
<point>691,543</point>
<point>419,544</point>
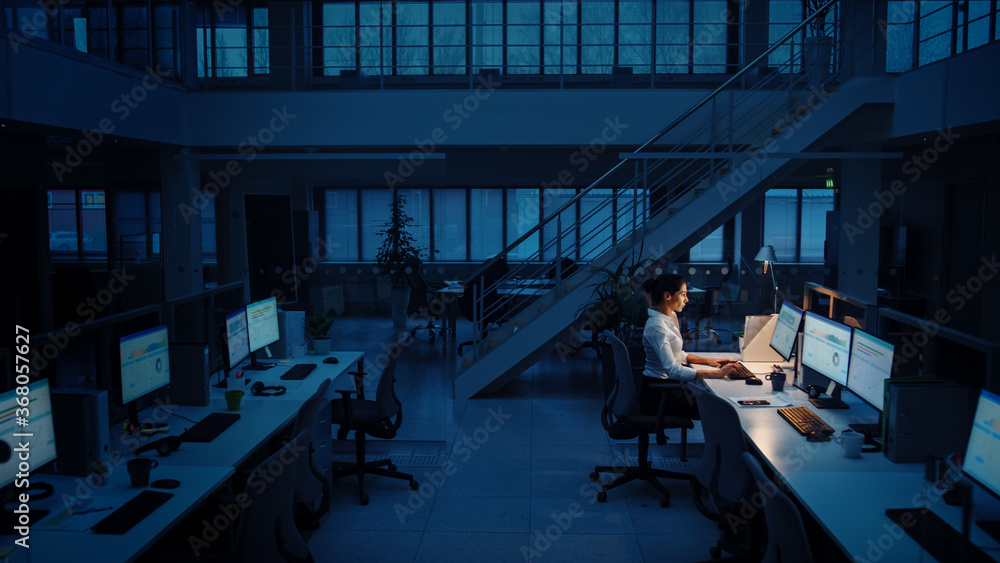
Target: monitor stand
<point>833,402</point>
<point>256,366</point>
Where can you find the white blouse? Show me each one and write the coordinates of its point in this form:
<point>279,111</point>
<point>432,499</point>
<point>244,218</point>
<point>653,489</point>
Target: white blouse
<point>662,342</point>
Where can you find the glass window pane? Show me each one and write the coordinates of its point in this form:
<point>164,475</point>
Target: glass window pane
<point>487,35</point>
<point>553,199</point>
<point>709,249</point>
<point>899,36</point>
<point>673,34</point>
<point>374,212</point>
<point>779,222</point>
<point>597,36</point>
<point>412,36</point>
<point>709,49</point>
<point>523,37</point>
<point>449,29</point>
<point>338,38</point>
<point>485,223</point>
<point>560,36</point>
<point>815,204</point>
<point>231,51</point>
<point>62,221</point>
<point>595,223</point>
<point>979,22</point>
<point>341,229</point>
<point>635,32</point>
<point>522,216</point>
<point>449,225</point>
<point>935,34</point>
<point>261,42</point>
<point>783,15</point>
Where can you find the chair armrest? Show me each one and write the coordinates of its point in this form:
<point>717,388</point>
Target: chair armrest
<point>348,408</point>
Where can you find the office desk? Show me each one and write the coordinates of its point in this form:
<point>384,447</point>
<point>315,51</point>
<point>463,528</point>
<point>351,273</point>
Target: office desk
<point>848,497</point>
<point>48,545</point>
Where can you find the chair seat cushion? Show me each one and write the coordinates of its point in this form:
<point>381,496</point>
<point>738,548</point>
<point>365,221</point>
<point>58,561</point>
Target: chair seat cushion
<point>365,412</point>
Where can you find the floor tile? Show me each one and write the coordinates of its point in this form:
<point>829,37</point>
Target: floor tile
<point>438,547</point>
<point>479,514</point>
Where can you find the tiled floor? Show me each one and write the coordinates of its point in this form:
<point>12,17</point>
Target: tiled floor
<point>503,477</point>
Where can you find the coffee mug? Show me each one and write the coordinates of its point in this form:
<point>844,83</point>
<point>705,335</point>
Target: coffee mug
<point>777,380</point>
<point>138,470</point>
<point>233,399</point>
<point>852,442</point>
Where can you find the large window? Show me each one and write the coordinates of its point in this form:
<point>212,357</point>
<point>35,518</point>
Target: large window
<point>795,223</point>
<point>922,32</point>
<point>77,227</point>
<point>233,42</point>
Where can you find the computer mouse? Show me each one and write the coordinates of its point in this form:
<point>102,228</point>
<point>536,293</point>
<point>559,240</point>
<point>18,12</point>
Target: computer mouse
<point>754,381</point>
<point>817,437</point>
<point>165,484</point>
<point>330,360</point>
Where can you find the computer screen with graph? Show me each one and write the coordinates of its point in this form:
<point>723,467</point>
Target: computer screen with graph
<point>826,347</point>
<point>145,363</point>
<point>35,420</point>
<point>237,337</point>
<point>783,339</point>
<point>982,455</point>
<point>262,323</point>
<point>870,366</point>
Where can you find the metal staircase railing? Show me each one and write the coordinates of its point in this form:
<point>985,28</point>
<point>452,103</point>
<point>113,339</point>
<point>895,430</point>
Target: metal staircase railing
<point>736,123</point>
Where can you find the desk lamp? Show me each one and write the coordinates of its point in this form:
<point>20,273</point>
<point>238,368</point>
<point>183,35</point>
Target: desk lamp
<point>766,255</point>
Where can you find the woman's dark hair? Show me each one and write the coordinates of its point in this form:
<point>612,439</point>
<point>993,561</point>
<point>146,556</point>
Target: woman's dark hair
<point>666,283</point>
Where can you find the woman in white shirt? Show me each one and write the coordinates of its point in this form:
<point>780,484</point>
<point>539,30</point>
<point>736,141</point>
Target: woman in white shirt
<point>663,344</point>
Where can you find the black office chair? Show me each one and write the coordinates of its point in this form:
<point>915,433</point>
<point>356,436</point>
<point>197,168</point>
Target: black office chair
<point>786,539</point>
<point>380,418</point>
<point>623,419</point>
<point>422,296</point>
<point>311,481</point>
<point>723,475</point>
<point>567,267</point>
<point>477,285</point>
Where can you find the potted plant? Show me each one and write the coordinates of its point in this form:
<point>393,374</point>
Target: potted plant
<point>317,327</point>
<point>398,247</point>
<point>615,303</point>
<point>817,47</point>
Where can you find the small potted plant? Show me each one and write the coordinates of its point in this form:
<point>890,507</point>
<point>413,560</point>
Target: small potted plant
<point>818,45</point>
<point>317,327</point>
<point>398,248</point>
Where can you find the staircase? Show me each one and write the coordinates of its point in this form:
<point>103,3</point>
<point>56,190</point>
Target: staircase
<point>727,149</point>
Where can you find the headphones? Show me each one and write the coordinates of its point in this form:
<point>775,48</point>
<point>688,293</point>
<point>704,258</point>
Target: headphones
<point>261,390</point>
<point>163,446</point>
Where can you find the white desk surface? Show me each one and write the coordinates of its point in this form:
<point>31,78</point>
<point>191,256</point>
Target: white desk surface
<point>197,484</point>
<point>848,497</point>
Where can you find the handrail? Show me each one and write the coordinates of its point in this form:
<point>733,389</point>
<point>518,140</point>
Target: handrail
<point>742,72</point>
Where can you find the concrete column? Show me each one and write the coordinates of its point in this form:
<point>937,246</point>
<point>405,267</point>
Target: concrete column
<point>181,216</point>
<point>857,261</point>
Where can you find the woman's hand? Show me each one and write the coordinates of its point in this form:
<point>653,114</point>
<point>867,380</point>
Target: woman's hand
<point>727,370</point>
<point>713,362</point>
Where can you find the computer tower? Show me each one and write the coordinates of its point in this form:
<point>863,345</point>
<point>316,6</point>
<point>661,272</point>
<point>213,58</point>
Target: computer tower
<point>926,418</point>
<point>80,419</point>
<point>291,329</point>
<point>189,374</point>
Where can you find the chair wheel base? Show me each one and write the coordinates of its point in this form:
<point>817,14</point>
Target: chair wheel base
<point>414,485</point>
<point>595,476</point>
<point>364,500</point>
<point>602,496</point>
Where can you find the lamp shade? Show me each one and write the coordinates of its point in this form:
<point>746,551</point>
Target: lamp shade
<point>766,254</point>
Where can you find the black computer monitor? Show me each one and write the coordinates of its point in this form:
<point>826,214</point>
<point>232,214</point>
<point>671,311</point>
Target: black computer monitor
<point>826,349</point>
<point>787,327</point>
<point>25,418</point>
<point>262,328</point>
<point>237,338</point>
<point>145,366</point>
<point>981,463</point>
<point>870,366</point>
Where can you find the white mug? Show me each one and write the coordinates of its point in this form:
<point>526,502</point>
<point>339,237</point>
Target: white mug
<point>852,442</point>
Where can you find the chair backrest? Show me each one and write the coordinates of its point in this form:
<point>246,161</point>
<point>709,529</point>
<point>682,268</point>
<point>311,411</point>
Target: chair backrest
<point>722,470</point>
<point>415,275</point>
<point>624,399</point>
<point>787,541</point>
<point>266,528</point>
<point>567,267</point>
<point>385,395</point>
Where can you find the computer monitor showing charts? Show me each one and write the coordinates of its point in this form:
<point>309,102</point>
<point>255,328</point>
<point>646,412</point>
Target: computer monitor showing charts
<point>870,366</point>
<point>262,328</point>
<point>35,421</point>
<point>982,455</point>
<point>783,339</point>
<point>145,363</point>
<point>237,338</point>
<point>826,349</point>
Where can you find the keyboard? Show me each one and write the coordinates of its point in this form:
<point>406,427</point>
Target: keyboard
<point>804,420</point>
<point>936,536</point>
<point>208,428</point>
<point>131,513</point>
<point>299,371</point>
<point>741,372</point>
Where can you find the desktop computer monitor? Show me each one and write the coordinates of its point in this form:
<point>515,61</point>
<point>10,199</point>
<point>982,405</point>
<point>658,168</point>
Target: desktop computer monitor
<point>826,349</point>
<point>787,327</point>
<point>38,413</point>
<point>870,366</point>
<point>237,338</point>
<point>145,366</point>
<point>982,455</point>
<point>262,328</point>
